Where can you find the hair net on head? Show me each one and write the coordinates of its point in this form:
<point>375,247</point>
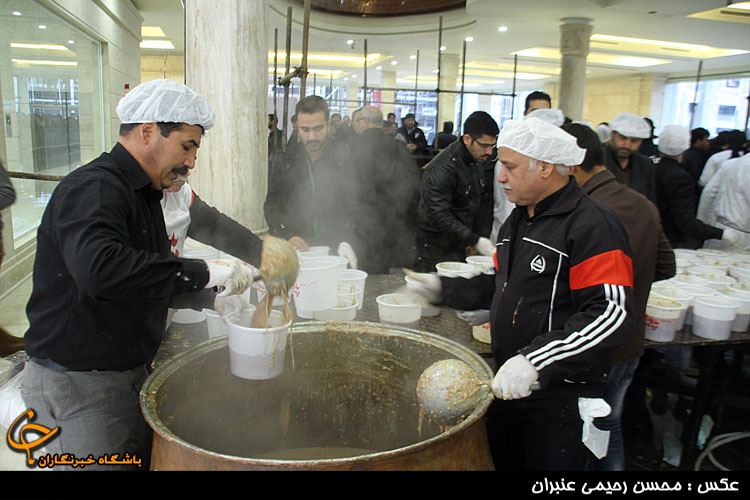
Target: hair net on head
<point>604,133</point>
<point>673,140</point>
<point>165,101</point>
<point>553,116</point>
<point>538,139</point>
<point>630,125</point>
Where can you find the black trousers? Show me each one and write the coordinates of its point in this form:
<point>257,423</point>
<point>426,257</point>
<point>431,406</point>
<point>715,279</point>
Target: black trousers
<point>536,435</point>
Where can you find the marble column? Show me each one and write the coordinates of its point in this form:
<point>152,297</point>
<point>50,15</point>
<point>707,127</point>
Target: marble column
<point>388,80</point>
<point>226,60</point>
<point>574,47</point>
<point>448,81</point>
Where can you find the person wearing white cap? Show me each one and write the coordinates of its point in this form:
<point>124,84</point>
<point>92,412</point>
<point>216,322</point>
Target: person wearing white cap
<point>622,157</point>
<point>676,197</point>
<point>560,301</point>
<point>725,203</point>
<point>104,276</point>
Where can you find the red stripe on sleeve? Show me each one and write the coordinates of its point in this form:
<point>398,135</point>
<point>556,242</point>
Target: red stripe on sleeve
<point>613,268</point>
<point>192,198</point>
<point>494,257</point>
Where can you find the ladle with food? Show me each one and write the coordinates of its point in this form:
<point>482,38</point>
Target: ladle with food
<point>450,389</point>
<point>279,268</point>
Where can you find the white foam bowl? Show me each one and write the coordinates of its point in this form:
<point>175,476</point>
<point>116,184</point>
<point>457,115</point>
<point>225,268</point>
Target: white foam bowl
<point>713,317</point>
<point>456,269</point>
<point>684,252</point>
<point>662,316</point>
<point>742,287</point>
<point>742,320</point>
<point>345,310</point>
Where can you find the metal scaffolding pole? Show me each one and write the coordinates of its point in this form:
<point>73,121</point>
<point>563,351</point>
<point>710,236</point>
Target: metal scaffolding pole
<point>287,64</point>
<point>305,40</point>
<point>695,96</point>
<point>437,87</point>
<point>416,82</point>
<point>275,70</point>
<point>513,99</point>
<point>461,108</point>
<point>364,99</point>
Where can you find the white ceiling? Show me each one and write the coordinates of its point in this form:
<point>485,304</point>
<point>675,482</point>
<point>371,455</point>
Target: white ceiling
<point>537,26</point>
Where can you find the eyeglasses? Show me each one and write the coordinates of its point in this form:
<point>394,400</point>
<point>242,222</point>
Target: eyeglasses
<point>483,145</point>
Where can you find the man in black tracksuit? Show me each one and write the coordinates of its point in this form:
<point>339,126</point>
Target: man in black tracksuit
<point>560,302</point>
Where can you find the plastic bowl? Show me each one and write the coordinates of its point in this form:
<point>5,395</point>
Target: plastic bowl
<point>256,353</point>
<point>482,263</point>
<point>456,269</point>
<point>713,317</point>
<point>674,293</point>
<point>345,310</point>
<point>399,309</point>
<point>742,320</point>
<point>662,315</point>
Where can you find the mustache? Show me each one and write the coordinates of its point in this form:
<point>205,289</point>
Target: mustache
<point>180,170</point>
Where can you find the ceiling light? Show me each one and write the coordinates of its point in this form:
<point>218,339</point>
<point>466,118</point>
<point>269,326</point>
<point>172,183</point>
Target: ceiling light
<point>661,47</point>
<point>740,5</point>
<point>152,32</point>
<point>16,13</point>
<point>37,46</point>
<point>44,63</point>
<point>595,57</point>
<point>442,48</point>
<point>393,63</point>
<point>157,44</point>
<point>502,29</point>
<point>349,42</point>
<point>337,59</point>
<point>469,39</point>
<point>412,57</point>
<point>354,76</point>
<point>346,79</point>
<point>379,68</point>
<point>71,42</point>
<point>42,27</point>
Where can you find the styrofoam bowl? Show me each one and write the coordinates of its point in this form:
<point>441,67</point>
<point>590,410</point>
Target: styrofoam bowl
<point>456,269</point>
<point>201,253</point>
<point>713,317</point>
<point>662,315</point>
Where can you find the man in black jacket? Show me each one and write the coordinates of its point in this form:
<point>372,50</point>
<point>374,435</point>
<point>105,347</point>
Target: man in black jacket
<point>622,158</point>
<point>694,159</point>
<point>416,142</point>
<point>451,195</point>
<point>560,302</point>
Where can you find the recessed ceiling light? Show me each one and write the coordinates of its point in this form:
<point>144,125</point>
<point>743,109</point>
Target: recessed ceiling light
<point>157,44</point>
<point>442,48</point>
<point>349,42</point>
<point>412,57</point>
<point>502,28</point>
<point>38,46</point>
<point>42,27</point>
<point>71,42</point>
<point>354,76</point>
<point>469,39</point>
<point>740,5</point>
<point>16,13</point>
<point>393,63</point>
<point>346,79</point>
<point>379,68</point>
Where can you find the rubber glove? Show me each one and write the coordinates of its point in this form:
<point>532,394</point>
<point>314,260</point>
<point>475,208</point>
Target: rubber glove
<point>235,277</point>
<point>426,285</point>
<point>346,251</point>
<point>485,247</point>
<point>232,303</point>
<point>298,243</point>
<point>474,318</point>
<point>732,236</point>
<point>513,380</point>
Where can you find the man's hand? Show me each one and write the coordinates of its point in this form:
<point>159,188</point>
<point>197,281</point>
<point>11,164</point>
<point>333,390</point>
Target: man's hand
<point>485,247</point>
<point>426,285</point>
<point>514,378</point>
<point>732,236</point>
<point>411,147</point>
<point>229,304</point>
<point>474,318</point>
<point>234,276</point>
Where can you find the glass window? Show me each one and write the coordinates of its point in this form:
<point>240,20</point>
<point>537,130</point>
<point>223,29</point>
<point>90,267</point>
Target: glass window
<point>50,86</point>
<point>715,105</point>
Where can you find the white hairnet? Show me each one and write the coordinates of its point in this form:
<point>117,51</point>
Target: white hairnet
<point>165,101</point>
<point>604,133</point>
<point>630,125</point>
<point>673,140</point>
<point>553,116</point>
<point>538,139</point>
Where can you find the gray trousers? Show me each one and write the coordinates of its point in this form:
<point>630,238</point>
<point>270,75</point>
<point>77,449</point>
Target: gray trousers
<point>97,412</point>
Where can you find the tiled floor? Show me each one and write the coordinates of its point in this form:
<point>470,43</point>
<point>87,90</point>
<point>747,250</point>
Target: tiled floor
<point>644,427</point>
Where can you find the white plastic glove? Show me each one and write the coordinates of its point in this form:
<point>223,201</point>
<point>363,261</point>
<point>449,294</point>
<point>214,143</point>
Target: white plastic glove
<point>426,285</point>
<point>732,236</point>
<point>232,303</point>
<point>474,318</point>
<point>514,378</point>
<point>346,251</point>
<point>485,247</point>
<point>233,275</point>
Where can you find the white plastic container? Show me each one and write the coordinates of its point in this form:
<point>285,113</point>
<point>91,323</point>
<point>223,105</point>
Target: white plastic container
<point>674,293</point>
<point>217,326</point>
<point>316,286</point>
<point>740,271</point>
<point>742,320</point>
<point>717,281</point>
<point>428,310</point>
<point>483,263</point>
<point>260,290</point>
<point>202,253</point>
<point>662,315</point>
<point>686,253</point>
<point>710,252</point>
<point>399,309</point>
<point>345,310</point>
<point>742,287</point>
<point>713,317</point>
<point>687,280</point>
<point>683,263</point>
<point>187,316</point>
<point>256,353</point>
<point>317,251</point>
<point>348,290</point>
<point>357,278</point>
<point>696,291</point>
<point>703,271</point>
<point>456,269</point>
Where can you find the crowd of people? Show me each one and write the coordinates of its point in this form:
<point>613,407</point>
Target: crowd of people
<point>579,221</point>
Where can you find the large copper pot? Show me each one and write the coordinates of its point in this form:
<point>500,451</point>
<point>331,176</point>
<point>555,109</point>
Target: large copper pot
<point>345,401</point>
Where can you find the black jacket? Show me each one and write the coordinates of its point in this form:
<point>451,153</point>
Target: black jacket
<point>104,272</point>
<point>639,175</point>
<point>677,204</point>
<point>310,199</point>
<point>450,199</point>
<point>562,292</point>
<point>387,192</point>
<point>416,136</point>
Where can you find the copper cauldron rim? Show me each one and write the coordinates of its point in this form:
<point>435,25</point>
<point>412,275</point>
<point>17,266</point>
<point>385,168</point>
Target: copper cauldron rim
<point>163,372</point>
